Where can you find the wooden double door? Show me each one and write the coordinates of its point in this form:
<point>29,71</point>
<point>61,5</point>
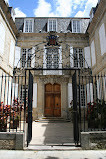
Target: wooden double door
<point>52,100</point>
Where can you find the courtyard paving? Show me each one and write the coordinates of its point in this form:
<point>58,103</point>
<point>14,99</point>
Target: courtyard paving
<point>52,133</point>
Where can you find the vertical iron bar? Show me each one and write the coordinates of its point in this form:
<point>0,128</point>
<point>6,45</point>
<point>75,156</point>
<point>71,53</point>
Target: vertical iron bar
<point>79,106</point>
<point>25,104</point>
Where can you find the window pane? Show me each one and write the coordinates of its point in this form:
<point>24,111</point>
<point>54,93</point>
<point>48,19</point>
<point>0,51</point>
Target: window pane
<point>78,57</point>
<point>54,25</point>
<point>52,58</point>
<point>78,26</point>
<point>26,57</point>
<point>30,26</point>
<point>26,26</point>
<point>74,26</point>
<point>50,25</point>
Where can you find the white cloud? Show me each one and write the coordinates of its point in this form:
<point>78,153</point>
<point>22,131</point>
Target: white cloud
<point>64,8</point>
<point>19,13</point>
<point>7,1</point>
<point>44,9</point>
<point>88,6</point>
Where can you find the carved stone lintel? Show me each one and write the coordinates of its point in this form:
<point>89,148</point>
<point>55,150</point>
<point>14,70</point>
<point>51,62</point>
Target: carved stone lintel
<point>54,79</point>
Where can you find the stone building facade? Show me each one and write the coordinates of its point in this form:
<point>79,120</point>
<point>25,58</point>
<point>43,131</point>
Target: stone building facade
<point>8,33</point>
<point>97,38</point>
<point>81,44</point>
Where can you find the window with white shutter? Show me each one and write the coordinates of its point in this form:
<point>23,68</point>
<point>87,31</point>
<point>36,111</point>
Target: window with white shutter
<point>102,37</point>
<point>78,57</point>
<point>17,56</point>
<point>26,57</point>
<point>28,25</point>
<point>76,26</point>
<point>93,53</point>
<point>87,57</point>
<point>2,38</point>
<point>52,25</point>
<point>11,56</point>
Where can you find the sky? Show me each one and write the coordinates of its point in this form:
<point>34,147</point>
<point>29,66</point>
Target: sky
<point>52,8</point>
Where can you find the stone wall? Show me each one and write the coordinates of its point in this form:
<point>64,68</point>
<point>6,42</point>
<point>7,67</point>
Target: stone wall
<point>11,140</point>
<point>93,140</point>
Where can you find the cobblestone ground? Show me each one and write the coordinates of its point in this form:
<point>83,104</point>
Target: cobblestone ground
<point>52,154</point>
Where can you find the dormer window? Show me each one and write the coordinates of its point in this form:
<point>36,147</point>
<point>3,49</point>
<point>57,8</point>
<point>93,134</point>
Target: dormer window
<point>76,26</point>
<point>28,25</point>
<point>52,25</point>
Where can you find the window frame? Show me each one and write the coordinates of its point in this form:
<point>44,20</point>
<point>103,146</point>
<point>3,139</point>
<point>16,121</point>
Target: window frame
<point>26,63</point>
<point>77,20</point>
<point>53,58</point>
<point>78,58</point>
<point>52,25</point>
<point>28,19</point>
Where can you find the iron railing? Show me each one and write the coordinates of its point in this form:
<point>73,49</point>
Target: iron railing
<point>92,102</point>
<point>13,103</point>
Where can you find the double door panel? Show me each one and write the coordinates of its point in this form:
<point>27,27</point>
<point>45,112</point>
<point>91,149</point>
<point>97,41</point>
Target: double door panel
<point>52,100</point>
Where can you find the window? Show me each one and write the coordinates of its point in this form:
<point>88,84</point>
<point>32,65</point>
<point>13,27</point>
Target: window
<point>52,25</point>
<point>22,93</point>
<point>52,57</point>
<point>11,56</point>
<point>2,38</point>
<point>82,95</point>
<point>78,57</point>
<point>28,25</point>
<point>76,26</point>
<point>26,57</point>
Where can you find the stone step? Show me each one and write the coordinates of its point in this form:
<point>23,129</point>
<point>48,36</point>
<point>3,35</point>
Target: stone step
<point>51,119</point>
<point>52,148</point>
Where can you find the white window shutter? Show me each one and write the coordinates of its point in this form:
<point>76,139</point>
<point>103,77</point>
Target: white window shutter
<point>71,57</point>
<point>14,91</point>
<point>102,37</point>
<point>17,56</point>
<point>89,92</point>
<point>9,92</point>
<point>87,57</point>
<point>11,56</point>
<point>93,53</point>
<point>99,89</point>
<point>33,58</point>
<point>34,95</point>
<point>70,95</point>
<point>2,38</point>
<point>60,60</point>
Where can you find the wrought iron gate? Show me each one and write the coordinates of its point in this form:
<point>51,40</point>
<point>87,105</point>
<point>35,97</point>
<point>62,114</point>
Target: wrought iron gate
<point>30,96</point>
<point>75,112</point>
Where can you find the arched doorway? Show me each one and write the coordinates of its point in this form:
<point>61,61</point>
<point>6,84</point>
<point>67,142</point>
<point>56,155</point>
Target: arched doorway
<point>52,100</point>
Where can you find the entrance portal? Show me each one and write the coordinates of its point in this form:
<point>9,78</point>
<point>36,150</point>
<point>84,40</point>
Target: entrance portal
<point>52,100</point>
